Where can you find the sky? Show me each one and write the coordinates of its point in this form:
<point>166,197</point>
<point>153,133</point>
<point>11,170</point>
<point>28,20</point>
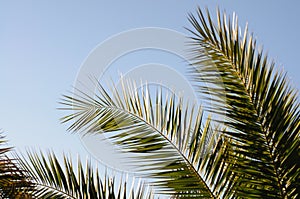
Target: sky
<point>43,45</point>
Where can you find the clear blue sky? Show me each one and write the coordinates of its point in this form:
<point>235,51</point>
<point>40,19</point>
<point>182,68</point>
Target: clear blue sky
<point>44,43</point>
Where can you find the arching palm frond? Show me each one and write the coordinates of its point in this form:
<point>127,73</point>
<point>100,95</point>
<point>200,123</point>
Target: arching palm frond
<point>51,179</point>
<point>13,180</point>
<point>262,110</point>
<point>168,140</point>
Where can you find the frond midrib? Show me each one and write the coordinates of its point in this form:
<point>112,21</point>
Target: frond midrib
<point>261,125</point>
<point>166,138</point>
<point>54,189</point>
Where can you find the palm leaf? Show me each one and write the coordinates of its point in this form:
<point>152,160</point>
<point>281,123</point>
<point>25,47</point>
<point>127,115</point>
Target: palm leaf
<point>262,110</point>
<point>53,179</point>
<point>13,180</point>
<point>166,138</point>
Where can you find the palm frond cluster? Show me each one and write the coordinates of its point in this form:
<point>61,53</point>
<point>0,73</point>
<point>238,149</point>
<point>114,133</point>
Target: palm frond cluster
<point>248,147</point>
<point>253,152</point>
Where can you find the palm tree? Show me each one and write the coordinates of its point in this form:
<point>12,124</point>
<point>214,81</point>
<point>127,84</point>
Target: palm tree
<point>253,153</point>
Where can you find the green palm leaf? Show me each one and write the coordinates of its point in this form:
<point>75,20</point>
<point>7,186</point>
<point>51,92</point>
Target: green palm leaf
<point>51,179</point>
<point>262,110</point>
<point>166,138</point>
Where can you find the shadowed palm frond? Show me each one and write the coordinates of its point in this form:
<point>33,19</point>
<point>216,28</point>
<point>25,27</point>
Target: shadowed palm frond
<point>167,139</point>
<point>13,180</point>
<point>262,110</point>
<point>51,179</point>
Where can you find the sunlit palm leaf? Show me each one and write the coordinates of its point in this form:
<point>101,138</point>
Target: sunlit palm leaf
<point>262,110</point>
<point>55,180</point>
<point>166,138</point>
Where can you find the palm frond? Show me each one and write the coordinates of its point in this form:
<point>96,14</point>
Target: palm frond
<point>262,110</point>
<point>13,180</point>
<point>53,179</point>
<point>166,138</point>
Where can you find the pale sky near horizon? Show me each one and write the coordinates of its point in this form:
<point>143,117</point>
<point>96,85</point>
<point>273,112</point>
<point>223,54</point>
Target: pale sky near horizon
<point>44,43</point>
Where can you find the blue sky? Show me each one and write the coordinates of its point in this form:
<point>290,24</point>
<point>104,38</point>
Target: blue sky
<point>44,43</point>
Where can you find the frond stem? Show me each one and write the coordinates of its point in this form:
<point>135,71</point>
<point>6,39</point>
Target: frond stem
<point>172,144</point>
<point>256,114</point>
